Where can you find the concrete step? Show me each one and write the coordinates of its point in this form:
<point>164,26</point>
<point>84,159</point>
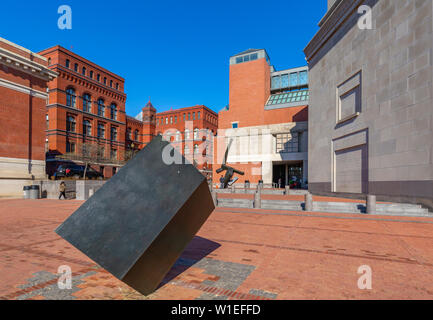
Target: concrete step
<point>283,205</point>
<point>235,203</point>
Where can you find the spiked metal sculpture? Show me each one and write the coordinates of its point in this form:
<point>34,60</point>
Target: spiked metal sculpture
<point>229,170</point>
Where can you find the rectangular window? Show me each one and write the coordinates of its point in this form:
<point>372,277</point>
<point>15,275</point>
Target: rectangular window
<point>253,56</point>
<point>294,79</point>
<point>246,58</point>
<point>235,125</point>
<point>113,134</point>
<point>303,77</point>
<point>193,116</point>
<point>91,74</point>
<point>198,115</point>
<point>239,60</point>
<point>284,81</point>
<point>287,142</point>
<point>276,82</point>
<point>84,71</point>
<point>184,117</point>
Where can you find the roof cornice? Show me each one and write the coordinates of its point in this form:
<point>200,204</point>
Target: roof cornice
<point>329,24</point>
<point>21,63</point>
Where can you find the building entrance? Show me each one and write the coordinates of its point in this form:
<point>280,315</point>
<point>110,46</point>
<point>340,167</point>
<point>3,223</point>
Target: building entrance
<point>288,174</point>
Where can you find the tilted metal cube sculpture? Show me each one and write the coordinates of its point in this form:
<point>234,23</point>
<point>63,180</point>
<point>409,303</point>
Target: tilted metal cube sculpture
<point>138,224</point>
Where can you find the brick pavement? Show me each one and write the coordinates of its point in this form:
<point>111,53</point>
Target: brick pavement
<point>238,254</point>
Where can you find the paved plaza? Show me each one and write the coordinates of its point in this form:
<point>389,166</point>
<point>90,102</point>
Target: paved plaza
<point>238,254</point>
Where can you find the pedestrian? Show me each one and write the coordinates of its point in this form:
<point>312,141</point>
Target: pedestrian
<point>221,182</point>
<point>279,183</point>
<point>62,189</point>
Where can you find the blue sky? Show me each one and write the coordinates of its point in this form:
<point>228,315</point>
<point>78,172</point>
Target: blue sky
<point>175,52</point>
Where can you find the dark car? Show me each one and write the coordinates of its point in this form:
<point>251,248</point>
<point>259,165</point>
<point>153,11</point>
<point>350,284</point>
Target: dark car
<point>76,171</point>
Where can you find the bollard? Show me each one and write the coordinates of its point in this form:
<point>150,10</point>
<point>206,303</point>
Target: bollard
<point>287,190</point>
<point>258,199</point>
<point>215,198</point>
<point>371,204</point>
<point>308,202</point>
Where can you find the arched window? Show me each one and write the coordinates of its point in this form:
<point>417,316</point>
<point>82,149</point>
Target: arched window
<point>198,115</point>
<point>87,128</point>
<point>83,71</point>
<point>186,134</point>
<point>70,124</point>
<point>91,74</point>
<point>136,135</point>
<point>113,111</point>
<point>70,97</point>
<point>101,107</point>
<point>76,67</point>
<point>177,135</point>
<point>196,149</point>
<point>49,61</point>
<point>87,102</point>
<point>68,63</point>
<point>186,150</point>
<point>196,133</point>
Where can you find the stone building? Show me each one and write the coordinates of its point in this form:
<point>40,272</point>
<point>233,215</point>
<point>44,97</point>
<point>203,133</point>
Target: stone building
<point>23,95</point>
<point>371,108</point>
<point>266,120</point>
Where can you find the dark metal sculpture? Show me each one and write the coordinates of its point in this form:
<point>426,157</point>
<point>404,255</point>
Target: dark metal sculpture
<point>139,222</point>
<point>230,171</point>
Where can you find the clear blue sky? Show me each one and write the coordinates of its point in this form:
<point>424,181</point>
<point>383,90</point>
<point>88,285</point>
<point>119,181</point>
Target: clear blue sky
<point>176,52</point>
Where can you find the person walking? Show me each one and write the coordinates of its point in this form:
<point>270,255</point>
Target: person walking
<point>62,189</point>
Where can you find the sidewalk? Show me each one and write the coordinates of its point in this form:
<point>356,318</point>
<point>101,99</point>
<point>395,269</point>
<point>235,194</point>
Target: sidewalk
<point>238,254</point>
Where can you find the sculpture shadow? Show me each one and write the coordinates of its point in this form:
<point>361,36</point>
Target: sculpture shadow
<point>196,250</point>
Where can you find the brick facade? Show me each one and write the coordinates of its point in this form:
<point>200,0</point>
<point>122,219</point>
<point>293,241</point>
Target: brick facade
<point>23,82</point>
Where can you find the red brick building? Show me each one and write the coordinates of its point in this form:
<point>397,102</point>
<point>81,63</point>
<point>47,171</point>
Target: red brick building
<point>190,130</point>
<point>23,94</point>
<point>267,120</point>
<point>86,107</point>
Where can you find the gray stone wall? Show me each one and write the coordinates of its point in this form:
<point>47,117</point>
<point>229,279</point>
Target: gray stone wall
<point>392,102</point>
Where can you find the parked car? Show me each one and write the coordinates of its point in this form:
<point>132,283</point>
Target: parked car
<point>76,171</point>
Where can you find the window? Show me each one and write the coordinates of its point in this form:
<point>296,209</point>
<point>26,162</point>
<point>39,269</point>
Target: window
<point>276,84</point>
<point>196,149</point>
<point>117,86</point>
<point>175,119</point>
<point>198,115</point>
<point>49,61</point>
<point>70,147</point>
<point>113,111</point>
<point>113,155</point>
<point>166,120</point>
<point>47,121</point>
<point>87,128</point>
<point>171,120</point>
<point>303,77</point>
<point>128,133</point>
<point>193,116</point>
<point>76,67</point>
<point>196,133</point>
<point>101,130</point>
<point>70,124</point>
<point>70,97</point>
<point>91,74</point>
<point>83,71</point>
<point>87,102</point>
<point>294,79</point>
<point>136,135</point>
<point>287,142</point>
<point>101,107</point>
<point>113,134</point>
<point>189,116</point>
<point>105,80</point>
<point>98,77</point>
<point>111,83</point>
<point>253,56</point>
<point>184,117</point>
<point>235,125</point>
<point>68,63</point>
